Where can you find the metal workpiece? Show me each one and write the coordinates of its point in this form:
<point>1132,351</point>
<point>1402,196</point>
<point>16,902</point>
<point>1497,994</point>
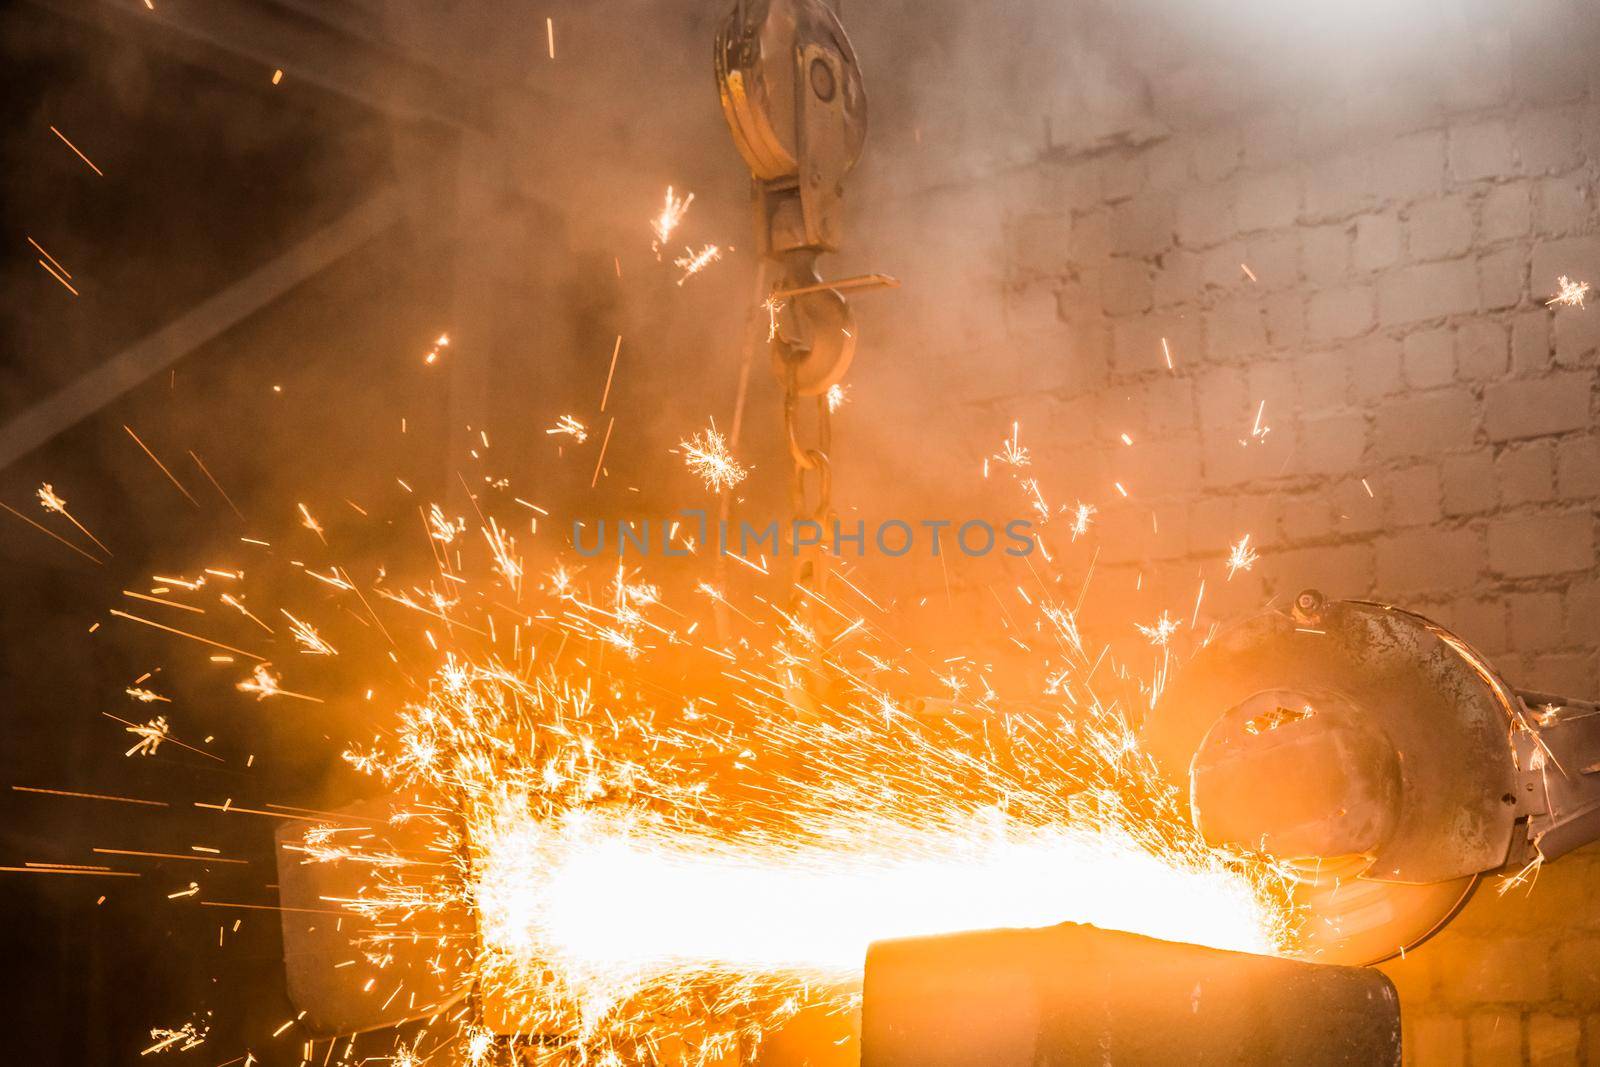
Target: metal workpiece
<point>1074,994</point>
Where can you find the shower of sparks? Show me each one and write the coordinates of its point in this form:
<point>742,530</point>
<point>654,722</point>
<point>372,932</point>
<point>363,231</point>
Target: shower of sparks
<point>54,268</point>
<point>51,501</point>
<point>1160,632</point>
<point>1082,517</point>
<point>707,455</point>
<point>262,682</point>
<point>692,262</point>
<point>672,213</point>
<point>1012,453</point>
<point>1258,430</point>
<point>310,642</point>
<point>77,152</point>
<point>1166,352</point>
<point>571,427</point>
<point>1569,293</point>
<point>146,696</point>
<point>621,834</point>
<point>838,396</point>
<point>186,1037</point>
<point>150,736</point>
<point>1248,273</point>
<point>772,305</point>
<point>1241,557</point>
<point>310,523</point>
<point>439,345</point>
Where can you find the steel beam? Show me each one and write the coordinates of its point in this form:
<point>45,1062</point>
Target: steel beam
<point>207,320</point>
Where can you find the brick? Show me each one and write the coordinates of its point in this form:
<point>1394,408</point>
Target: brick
<point>1338,314</point>
<point>1125,287</point>
<point>1235,329</point>
<point>1221,396</point>
<point>1502,278</point>
<point>1217,154</point>
<point>1429,291</point>
<point>1325,254</point>
<point>1429,358</point>
<point>1505,970</point>
<point>1553,1040</point>
<point>1582,603</point>
<point>1143,226</point>
<point>1374,367</point>
<point>1205,215</point>
<point>1535,407</point>
<point>1577,336</point>
<point>1578,468</point>
<point>1564,672</point>
<point>1526,474</point>
<point>1409,167</point>
<point>1468,484</point>
<point>1041,243</point>
<point>1495,1038</point>
<point>1530,342</point>
<point>1425,424</point>
<point>1167,164</point>
<point>1482,350</point>
<point>1210,525</point>
<point>1268,201</point>
<point>1176,279</point>
<point>1429,560</point>
<point>1274,257</point>
<point>1168,406</point>
<point>1481,623</point>
<point>1548,141</point>
<point>1340,570</point>
<point>1480,150</point>
<point>1121,176</point>
<point>1323,381</point>
<point>1439,229</point>
<point>1091,236</point>
<point>1306,517</point>
<point>1436,1040</point>
<point>1561,206</point>
<point>1575,257</point>
<point>1355,511</point>
<point>1286,320</point>
<point>1546,544</point>
<point>1333,444</point>
<point>1377,242</point>
<point>1536,621</point>
<point>1136,342</point>
<point>1333,186</point>
<point>1507,212</point>
<point>1412,497</point>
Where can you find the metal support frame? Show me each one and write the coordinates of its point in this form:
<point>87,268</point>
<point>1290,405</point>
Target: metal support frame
<point>202,323</point>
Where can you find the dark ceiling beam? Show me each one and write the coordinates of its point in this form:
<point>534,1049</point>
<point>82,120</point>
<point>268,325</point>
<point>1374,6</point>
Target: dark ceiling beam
<point>207,320</point>
<point>331,52</point>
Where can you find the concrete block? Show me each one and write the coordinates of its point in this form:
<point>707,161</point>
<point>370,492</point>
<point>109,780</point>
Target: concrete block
<point>1429,358</point>
<point>1506,212</point>
<point>1439,229</point>
<point>1428,291</point>
<point>1338,314</point>
<point>1541,545</point>
<point>1526,474</point>
<point>1482,349</point>
<point>1377,241</point>
<point>1436,560</point>
<point>1480,150</point>
<point>1535,407</point>
<point>1426,424</point>
<point>1467,483</point>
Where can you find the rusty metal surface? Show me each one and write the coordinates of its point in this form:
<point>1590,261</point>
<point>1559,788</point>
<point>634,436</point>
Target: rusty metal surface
<point>1074,994</point>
